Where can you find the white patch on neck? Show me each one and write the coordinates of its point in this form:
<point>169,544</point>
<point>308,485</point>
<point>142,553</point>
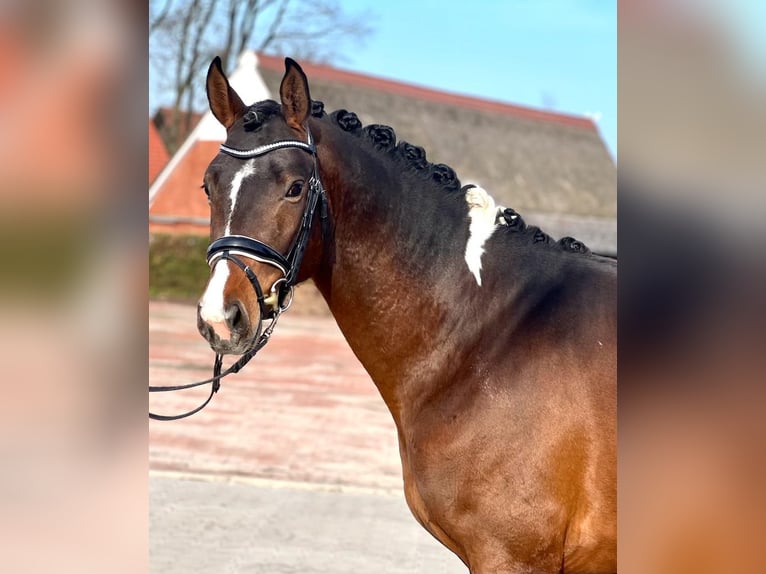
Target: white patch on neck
<point>482,214</point>
<point>236,184</point>
<point>211,305</point>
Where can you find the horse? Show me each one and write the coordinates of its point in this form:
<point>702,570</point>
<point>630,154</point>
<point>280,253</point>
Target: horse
<point>492,345</point>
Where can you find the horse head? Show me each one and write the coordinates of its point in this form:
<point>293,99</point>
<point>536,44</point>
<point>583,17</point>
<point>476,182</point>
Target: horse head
<point>262,188</point>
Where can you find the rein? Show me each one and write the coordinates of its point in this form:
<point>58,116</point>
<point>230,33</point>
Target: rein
<point>280,297</point>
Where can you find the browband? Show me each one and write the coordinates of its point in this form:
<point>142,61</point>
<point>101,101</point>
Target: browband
<point>264,149</point>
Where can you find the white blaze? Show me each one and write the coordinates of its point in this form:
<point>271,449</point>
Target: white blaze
<point>482,215</point>
<point>236,184</point>
<point>211,305</point>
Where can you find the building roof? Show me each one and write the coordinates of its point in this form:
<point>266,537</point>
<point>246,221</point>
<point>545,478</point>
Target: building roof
<point>158,154</point>
<point>336,76</point>
<point>552,168</point>
<point>175,128</point>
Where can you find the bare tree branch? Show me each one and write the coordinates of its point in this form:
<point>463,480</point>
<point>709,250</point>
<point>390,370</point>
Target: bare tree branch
<point>231,31</point>
<point>247,27</point>
<point>159,19</point>
<point>185,34</point>
<point>273,30</point>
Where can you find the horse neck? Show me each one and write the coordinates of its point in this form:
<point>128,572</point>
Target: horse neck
<point>391,280</point>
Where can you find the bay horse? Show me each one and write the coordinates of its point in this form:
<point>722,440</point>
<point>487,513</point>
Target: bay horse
<point>493,346</point>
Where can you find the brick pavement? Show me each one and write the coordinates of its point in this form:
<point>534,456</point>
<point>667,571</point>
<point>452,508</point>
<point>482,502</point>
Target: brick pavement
<point>301,426</point>
<point>303,408</point>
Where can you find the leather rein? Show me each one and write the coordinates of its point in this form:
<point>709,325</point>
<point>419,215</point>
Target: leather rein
<point>232,247</point>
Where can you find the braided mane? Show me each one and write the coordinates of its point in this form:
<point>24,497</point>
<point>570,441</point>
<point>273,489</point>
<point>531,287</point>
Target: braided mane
<point>383,139</point>
<point>514,222</point>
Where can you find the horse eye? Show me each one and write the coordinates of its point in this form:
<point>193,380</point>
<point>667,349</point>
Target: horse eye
<point>207,191</point>
<point>295,189</point>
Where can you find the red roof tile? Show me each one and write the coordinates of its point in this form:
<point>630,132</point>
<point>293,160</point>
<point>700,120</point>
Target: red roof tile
<point>158,153</point>
<point>181,194</point>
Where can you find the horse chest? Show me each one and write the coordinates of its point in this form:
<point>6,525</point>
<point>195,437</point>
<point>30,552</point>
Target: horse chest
<point>421,512</point>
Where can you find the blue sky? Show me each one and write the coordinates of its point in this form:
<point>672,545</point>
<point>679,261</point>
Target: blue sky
<point>559,55</point>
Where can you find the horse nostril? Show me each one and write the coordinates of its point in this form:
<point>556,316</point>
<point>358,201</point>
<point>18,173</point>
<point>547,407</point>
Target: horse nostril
<point>235,317</point>
<point>205,329</point>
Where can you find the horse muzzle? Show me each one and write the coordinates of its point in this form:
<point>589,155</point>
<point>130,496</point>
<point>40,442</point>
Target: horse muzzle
<point>224,318</point>
<point>229,332</point>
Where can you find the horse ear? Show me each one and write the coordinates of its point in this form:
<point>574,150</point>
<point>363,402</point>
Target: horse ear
<point>224,102</point>
<point>294,93</point>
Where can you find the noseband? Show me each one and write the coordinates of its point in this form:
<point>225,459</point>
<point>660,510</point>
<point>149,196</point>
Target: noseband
<point>232,247</point>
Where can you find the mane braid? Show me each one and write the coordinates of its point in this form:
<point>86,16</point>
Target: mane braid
<point>383,138</point>
<point>317,109</point>
<point>260,112</point>
<point>514,223</point>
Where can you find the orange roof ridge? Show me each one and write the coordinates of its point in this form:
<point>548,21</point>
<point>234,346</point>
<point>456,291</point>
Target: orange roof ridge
<point>325,72</point>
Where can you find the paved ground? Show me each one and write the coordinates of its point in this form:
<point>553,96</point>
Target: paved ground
<point>293,467</point>
<point>219,527</point>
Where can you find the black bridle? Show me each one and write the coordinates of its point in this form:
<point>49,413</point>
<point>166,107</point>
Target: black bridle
<point>280,296</point>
